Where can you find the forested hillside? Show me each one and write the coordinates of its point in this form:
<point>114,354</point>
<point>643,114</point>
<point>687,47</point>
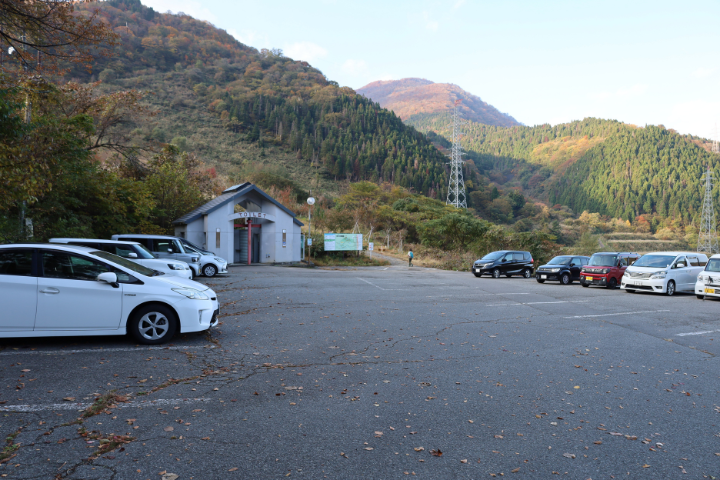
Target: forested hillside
<point>418,98</point>
<point>277,111</point>
<point>602,166</point>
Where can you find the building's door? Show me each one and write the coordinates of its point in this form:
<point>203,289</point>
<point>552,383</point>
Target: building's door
<point>255,248</point>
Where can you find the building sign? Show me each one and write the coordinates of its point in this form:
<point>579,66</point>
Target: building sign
<point>252,215</point>
<point>336,242</point>
<point>371,246</point>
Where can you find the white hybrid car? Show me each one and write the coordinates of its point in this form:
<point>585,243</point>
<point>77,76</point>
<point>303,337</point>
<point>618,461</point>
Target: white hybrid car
<point>134,252</point>
<point>708,280</point>
<point>64,290</point>
<point>664,272</point>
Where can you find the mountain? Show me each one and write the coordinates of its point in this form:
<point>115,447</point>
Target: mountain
<point>244,110</point>
<point>602,166</point>
<point>415,98</point>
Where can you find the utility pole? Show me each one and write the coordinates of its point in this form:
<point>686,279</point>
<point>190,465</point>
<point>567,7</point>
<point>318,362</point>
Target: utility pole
<point>456,187</point>
<point>707,237</point>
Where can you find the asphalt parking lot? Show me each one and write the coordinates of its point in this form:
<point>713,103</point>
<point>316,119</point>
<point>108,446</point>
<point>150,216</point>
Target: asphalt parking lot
<point>384,372</point>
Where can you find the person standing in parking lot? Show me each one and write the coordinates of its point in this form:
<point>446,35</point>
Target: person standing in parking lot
<point>410,258</point>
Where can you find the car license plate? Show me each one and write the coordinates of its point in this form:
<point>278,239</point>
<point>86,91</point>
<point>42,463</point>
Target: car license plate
<point>588,279</point>
<point>709,290</point>
<point>543,277</point>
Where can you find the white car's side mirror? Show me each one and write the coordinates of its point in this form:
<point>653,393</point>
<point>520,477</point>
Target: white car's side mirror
<point>169,250</point>
<point>109,278</point>
<point>132,255</point>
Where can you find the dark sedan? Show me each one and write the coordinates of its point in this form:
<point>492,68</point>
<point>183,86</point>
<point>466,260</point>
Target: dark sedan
<point>564,269</point>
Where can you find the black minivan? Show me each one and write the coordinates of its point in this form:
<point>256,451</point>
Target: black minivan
<point>564,268</point>
<point>504,262</point>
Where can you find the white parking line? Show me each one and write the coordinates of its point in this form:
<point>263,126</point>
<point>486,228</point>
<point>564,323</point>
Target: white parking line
<point>619,313</point>
<point>476,295</point>
<point>534,303</point>
<point>696,333</point>
<point>83,406</point>
<point>381,288</point>
<point>95,350</point>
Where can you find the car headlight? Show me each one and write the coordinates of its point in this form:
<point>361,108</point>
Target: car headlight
<point>554,270</point>
<point>662,274</point>
<point>176,266</point>
<point>626,274</point>
<point>194,259</point>
<point>191,293</point>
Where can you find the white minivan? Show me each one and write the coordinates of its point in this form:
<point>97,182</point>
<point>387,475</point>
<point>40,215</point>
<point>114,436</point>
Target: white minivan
<point>708,280</point>
<point>64,290</point>
<point>664,272</point>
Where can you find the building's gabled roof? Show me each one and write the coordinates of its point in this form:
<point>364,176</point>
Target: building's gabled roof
<point>230,195</point>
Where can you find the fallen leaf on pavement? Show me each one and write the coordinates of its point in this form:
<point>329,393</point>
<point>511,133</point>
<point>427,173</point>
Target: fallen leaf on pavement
<point>232,469</point>
<point>69,399</point>
<point>515,470</point>
<point>168,429</point>
<point>646,466</point>
<point>463,461</point>
<point>436,453</point>
<point>569,455</point>
<point>25,370</point>
<point>598,442</point>
<point>205,438</point>
<point>419,449</point>
<point>368,448</point>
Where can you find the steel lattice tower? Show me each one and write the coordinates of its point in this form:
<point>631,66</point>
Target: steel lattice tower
<point>707,238</point>
<point>456,187</point>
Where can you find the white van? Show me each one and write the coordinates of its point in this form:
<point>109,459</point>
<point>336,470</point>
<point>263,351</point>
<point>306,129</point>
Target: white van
<point>708,281</point>
<point>664,272</point>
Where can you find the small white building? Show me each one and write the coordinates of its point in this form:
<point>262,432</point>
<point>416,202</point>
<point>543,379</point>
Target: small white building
<point>266,232</point>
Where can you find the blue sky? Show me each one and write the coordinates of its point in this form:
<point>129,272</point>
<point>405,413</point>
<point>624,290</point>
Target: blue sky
<point>639,62</point>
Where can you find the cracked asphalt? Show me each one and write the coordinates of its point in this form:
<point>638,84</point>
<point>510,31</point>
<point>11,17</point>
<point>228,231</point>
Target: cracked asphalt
<point>380,372</point>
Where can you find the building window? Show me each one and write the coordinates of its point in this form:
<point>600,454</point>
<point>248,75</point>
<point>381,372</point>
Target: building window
<point>217,238</point>
<point>284,238</point>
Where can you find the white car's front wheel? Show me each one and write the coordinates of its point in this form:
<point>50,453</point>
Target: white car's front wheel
<point>209,270</point>
<point>670,291</point>
<point>153,324</point>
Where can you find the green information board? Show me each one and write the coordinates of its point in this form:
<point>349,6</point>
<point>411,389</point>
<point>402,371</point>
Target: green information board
<point>337,242</point>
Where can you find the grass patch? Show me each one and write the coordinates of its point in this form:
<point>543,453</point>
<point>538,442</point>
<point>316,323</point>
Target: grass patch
<point>102,403</point>
<point>10,446</point>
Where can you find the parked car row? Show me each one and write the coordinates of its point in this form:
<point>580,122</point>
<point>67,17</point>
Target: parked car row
<point>658,272</point>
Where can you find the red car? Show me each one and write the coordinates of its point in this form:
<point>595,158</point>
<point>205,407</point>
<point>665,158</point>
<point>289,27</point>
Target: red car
<point>606,269</point>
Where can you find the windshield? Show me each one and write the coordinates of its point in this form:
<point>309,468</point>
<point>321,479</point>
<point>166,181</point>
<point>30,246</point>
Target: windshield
<point>148,272</point>
<point>603,260</point>
<point>655,261</point>
<point>195,248</point>
<point>492,256</point>
<point>143,252</point>
<point>713,265</point>
<point>560,261</point>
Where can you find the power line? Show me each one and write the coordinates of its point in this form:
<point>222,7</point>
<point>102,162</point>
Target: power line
<point>456,187</point>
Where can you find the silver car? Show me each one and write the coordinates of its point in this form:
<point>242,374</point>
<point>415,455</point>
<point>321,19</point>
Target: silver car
<point>132,251</point>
